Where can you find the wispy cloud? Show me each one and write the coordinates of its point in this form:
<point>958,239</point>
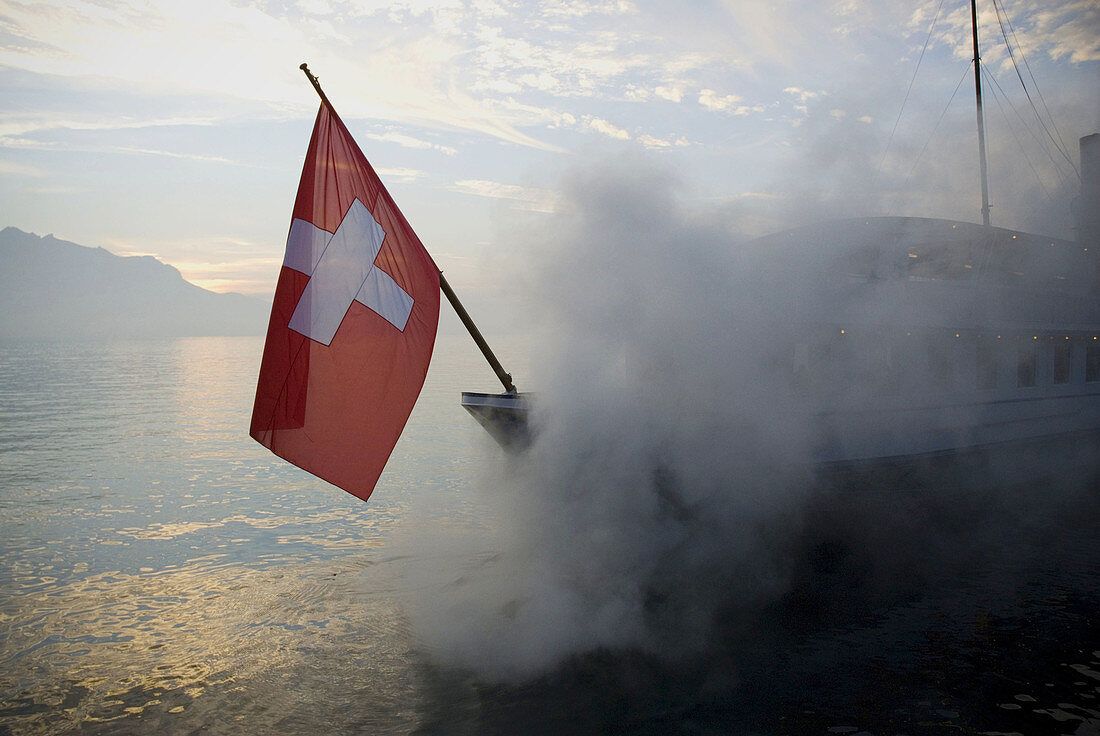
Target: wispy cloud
<point>11,168</point>
<point>714,102</point>
<point>409,141</point>
<point>399,174</point>
<point>21,124</point>
<point>652,142</point>
<point>535,200</point>
<point>803,95</point>
<point>56,145</point>
<point>55,189</point>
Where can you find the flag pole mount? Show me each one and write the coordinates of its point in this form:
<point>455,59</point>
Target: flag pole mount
<point>504,416</point>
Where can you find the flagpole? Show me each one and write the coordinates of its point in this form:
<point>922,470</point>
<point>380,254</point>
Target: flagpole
<point>504,377</point>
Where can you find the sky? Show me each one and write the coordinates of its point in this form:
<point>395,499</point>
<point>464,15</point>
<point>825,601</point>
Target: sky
<point>177,129</point>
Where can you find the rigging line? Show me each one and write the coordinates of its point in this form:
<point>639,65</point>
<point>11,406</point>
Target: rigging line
<point>998,94</point>
<point>1035,82</point>
<point>934,129</point>
<point>909,89</point>
<point>1038,117</point>
<point>1054,163</point>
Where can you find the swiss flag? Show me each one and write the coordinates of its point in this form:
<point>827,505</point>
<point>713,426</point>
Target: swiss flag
<point>353,322</point>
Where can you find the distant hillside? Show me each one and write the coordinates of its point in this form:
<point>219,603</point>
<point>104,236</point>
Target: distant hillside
<point>52,288</point>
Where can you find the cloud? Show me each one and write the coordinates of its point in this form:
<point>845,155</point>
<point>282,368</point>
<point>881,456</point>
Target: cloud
<point>672,94</point>
<point>55,189</point>
<point>1073,31</point>
<point>528,198</point>
<point>610,130</point>
<point>1061,30</point>
<point>20,124</point>
<point>151,48</point>
<point>11,168</point>
<point>399,174</point>
<point>803,95</point>
<point>315,7</point>
<point>653,142</point>
<point>711,100</point>
<point>409,141</point>
<point>585,8</point>
<point>501,81</point>
<point>10,141</point>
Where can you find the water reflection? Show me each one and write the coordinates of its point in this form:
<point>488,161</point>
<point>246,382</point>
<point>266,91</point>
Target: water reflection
<point>207,644</point>
<point>160,571</point>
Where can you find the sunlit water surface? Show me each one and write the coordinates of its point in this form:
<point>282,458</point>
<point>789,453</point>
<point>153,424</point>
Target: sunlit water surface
<point>162,573</point>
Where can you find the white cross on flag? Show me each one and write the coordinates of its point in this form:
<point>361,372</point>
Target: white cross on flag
<point>353,321</point>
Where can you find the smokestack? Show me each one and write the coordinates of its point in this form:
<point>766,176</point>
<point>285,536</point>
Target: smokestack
<point>1088,204</point>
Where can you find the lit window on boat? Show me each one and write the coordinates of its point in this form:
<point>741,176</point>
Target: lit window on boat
<point>1026,363</point>
<point>939,262</point>
<point>1092,362</point>
<point>986,361</point>
<point>1061,362</point>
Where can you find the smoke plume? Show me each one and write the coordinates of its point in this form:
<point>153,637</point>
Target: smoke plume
<point>668,502</point>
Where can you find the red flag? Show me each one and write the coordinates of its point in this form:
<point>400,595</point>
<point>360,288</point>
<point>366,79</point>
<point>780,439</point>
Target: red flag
<point>353,322</point>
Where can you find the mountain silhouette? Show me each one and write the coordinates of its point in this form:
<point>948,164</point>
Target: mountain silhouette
<point>52,288</point>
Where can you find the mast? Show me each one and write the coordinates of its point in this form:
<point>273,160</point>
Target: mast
<point>981,122</point>
<point>504,377</point>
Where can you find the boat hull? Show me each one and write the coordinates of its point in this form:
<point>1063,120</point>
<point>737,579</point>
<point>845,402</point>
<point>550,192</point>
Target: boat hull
<point>1067,457</point>
<point>504,416</point>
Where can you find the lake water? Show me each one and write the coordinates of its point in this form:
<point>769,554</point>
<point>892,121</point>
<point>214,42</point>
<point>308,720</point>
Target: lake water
<point>160,572</point>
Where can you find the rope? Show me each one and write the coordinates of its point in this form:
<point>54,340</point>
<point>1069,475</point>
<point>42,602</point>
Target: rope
<point>908,89</point>
<point>1042,123</point>
<point>934,129</point>
<point>998,95</point>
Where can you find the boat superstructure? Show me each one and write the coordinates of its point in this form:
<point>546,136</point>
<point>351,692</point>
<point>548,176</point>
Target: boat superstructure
<point>925,338</point>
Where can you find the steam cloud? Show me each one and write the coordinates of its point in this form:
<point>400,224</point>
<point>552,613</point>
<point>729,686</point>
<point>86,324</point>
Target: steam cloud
<point>635,516</point>
<point>667,499</point>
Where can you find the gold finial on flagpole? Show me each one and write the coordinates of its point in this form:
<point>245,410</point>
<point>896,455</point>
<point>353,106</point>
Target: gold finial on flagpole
<point>316,84</point>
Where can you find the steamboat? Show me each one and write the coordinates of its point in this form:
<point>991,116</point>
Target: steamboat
<point>927,349</point>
